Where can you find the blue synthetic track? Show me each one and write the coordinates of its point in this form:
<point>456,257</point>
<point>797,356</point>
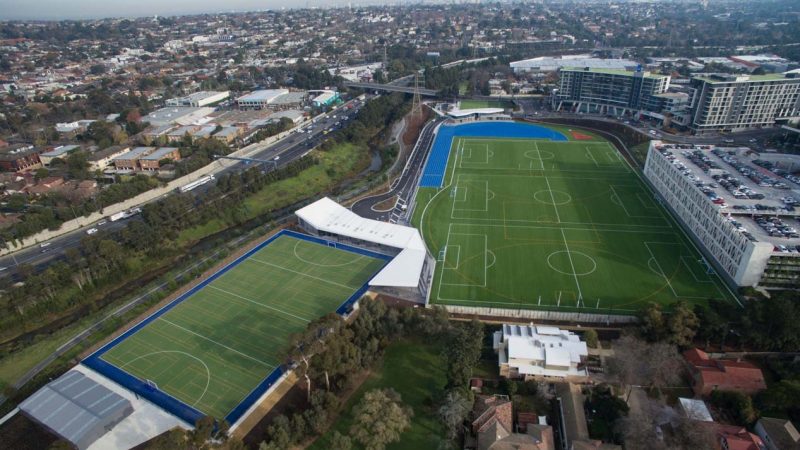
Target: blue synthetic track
<point>440,152</point>
<point>171,404</point>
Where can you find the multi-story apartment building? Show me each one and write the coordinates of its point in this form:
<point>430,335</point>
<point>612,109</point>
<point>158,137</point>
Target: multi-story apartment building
<point>739,238</point>
<point>723,102</point>
<point>609,91</point>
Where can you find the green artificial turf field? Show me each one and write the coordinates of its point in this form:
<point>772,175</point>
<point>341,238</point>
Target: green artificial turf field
<point>212,349</point>
<point>562,226</point>
<point>475,104</point>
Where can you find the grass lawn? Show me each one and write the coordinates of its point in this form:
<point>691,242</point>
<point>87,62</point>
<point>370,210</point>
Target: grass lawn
<point>555,225</point>
<point>334,166</point>
<point>475,104</point>
<point>415,370</point>
<point>211,349</point>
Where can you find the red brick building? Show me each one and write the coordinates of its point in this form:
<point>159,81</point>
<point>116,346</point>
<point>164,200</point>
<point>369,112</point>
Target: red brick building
<point>709,374</point>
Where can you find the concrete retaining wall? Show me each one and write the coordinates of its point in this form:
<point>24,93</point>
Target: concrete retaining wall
<point>543,315</point>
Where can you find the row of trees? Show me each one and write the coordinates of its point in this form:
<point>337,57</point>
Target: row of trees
<point>101,259</point>
<point>329,354</point>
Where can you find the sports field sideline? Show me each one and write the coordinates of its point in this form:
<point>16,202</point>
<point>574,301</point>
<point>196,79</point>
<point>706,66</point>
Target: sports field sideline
<point>211,350</point>
<point>565,226</point>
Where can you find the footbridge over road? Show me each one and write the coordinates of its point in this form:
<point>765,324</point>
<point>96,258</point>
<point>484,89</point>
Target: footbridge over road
<point>393,88</point>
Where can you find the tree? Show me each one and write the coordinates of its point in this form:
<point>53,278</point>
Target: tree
<point>379,419</point>
<point>462,352</point>
<point>457,405</point>
<point>653,326</point>
<point>202,430</point>
<point>639,431</point>
<point>781,396</point>
<point>303,346</point>
<point>739,406</point>
<point>682,325</point>
<point>590,336</point>
<point>638,362</point>
<point>340,442</point>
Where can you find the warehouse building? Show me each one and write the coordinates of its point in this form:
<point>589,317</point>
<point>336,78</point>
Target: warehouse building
<point>198,99</point>
<point>552,64</point>
<point>152,161</point>
<point>76,408</point>
<point>260,99</point>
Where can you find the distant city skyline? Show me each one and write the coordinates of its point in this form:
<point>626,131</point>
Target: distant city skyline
<point>97,9</point>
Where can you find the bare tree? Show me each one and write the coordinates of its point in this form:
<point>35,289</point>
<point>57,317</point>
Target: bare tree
<point>635,361</point>
<point>658,427</point>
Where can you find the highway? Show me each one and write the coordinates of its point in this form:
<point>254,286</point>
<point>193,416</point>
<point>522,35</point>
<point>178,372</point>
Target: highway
<point>288,149</point>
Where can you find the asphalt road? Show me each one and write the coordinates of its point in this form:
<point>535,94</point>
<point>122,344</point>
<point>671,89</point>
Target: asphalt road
<point>404,186</point>
<point>288,149</point>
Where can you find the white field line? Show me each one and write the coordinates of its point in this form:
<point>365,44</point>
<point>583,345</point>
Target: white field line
<point>553,199</point>
<point>661,269</point>
<point>591,157</point>
<point>259,304</point>
<point>302,274</point>
<point>215,342</point>
<point>574,273</point>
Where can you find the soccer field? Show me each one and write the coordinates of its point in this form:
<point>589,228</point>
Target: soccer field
<point>212,349</point>
<point>562,226</point>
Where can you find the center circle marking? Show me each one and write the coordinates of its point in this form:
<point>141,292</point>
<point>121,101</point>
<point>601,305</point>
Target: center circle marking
<point>550,197</point>
<point>572,254</point>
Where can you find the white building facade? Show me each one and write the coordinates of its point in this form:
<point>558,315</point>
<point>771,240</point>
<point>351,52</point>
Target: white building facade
<point>528,351</point>
<point>742,260</point>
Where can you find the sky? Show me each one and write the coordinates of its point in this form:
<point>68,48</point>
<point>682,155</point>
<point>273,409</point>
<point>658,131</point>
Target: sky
<point>89,9</point>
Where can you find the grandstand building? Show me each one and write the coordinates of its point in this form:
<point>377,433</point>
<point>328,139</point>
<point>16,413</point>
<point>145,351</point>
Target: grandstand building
<point>748,238</point>
<point>609,91</point>
<point>723,102</point>
<point>407,275</point>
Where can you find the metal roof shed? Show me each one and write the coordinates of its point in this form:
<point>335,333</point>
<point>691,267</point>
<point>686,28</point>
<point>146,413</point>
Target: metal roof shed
<point>76,408</point>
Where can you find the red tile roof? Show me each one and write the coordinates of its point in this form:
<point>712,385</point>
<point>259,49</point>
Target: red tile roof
<point>710,374</point>
<point>738,438</point>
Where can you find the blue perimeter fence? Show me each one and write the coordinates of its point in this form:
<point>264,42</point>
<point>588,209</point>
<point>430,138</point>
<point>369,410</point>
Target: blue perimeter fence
<point>187,413</point>
<point>436,165</point>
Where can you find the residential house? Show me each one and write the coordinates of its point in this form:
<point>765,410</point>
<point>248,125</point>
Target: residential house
<point>46,186</point>
<point>99,160</point>
<point>152,161</point>
<point>709,374</point>
<point>228,134</point>
<point>19,157</point>
<point>130,160</point>
<point>778,434</point>
<point>153,133</point>
<point>540,352</point>
<point>730,437</point>
<point>60,152</point>
<point>492,428</point>
<point>177,134</point>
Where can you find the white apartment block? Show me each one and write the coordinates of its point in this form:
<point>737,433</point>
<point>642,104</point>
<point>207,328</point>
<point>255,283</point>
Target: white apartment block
<point>539,352</point>
<point>739,102</point>
<point>741,259</point>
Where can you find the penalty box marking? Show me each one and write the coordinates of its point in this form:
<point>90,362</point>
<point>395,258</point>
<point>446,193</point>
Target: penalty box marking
<point>485,266</point>
<point>664,274</point>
